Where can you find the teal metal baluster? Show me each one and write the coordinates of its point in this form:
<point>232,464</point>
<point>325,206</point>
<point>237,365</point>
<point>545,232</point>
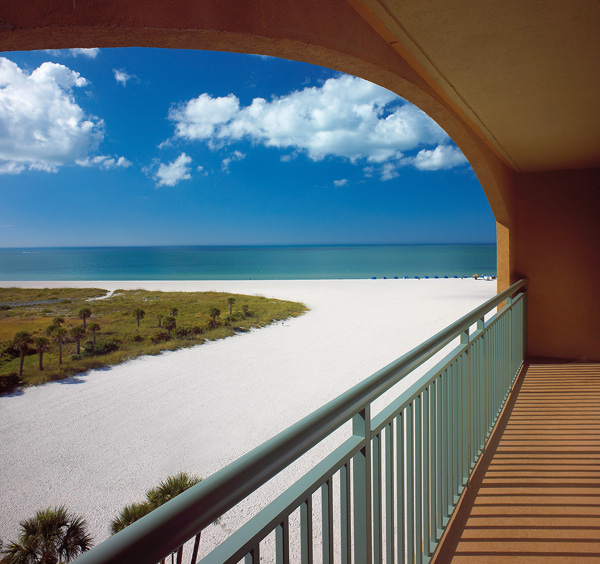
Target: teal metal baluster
<point>327,521</point>
<point>377,532</point>
<point>509,340</point>
<point>476,377</point>
<point>465,412</point>
<point>361,424</point>
<point>195,549</point>
<point>401,492</point>
<point>389,493</point>
<point>488,379</point>
<point>476,406</point>
<point>497,372</point>
<point>451,437</point>
<point>426,446</point>
<point>506,347</point>
<point>410,503</point>
<point>418,482</point>
<point>464,417</point>
<point>306,532</point>
<point>441,456</point>
<point>253,557</point>
<point>434,464</point>
<point>457,429</point>
<point>345,514</point>
<point>482,394</point>
<point>282,543</point>
<point>446,450</point>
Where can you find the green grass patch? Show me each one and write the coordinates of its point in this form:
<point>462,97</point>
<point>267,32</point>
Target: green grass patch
<point>119,338</point>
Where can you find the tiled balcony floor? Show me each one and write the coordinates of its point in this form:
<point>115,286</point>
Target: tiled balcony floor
<point>536,496</point>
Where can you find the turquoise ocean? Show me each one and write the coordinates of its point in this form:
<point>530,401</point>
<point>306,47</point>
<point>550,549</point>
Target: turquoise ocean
<point>242,263</point>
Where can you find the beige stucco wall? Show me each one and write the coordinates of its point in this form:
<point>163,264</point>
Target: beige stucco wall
<point>556,236</point>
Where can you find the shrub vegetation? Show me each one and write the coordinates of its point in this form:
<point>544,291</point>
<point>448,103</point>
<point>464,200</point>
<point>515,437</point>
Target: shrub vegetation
<point>112,334</point>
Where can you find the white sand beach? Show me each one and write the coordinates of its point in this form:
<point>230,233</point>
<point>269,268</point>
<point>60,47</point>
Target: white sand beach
<point>98,441</point>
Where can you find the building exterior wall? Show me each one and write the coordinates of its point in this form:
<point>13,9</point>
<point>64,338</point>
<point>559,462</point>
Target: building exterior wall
<point>556,238</point>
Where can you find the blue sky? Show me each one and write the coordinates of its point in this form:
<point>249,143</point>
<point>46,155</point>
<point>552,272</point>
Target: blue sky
<point>161,147</point>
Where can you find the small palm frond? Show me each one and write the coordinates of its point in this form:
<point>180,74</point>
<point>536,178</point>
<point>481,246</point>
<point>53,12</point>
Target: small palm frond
<point>170,488</point>
<point>129,514</point>
<point>75,539</point>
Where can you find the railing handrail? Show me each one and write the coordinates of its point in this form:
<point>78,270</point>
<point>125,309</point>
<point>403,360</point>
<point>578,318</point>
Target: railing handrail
<point>168,527</point>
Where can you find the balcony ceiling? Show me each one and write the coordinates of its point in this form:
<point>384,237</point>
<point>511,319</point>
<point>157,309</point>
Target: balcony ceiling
<point>526,74</point>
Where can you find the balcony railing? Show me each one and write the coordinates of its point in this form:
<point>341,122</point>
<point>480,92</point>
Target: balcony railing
<point>397,476</point>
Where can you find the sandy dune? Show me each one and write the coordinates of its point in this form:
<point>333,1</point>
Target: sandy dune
<point>98,441</point>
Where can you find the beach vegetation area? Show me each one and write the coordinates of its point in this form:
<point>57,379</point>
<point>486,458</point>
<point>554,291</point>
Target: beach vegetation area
<point>55,535</point>
<point>51,334</point>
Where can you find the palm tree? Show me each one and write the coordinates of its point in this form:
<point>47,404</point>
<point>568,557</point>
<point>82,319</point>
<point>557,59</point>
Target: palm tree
<point>245,309</point>
<point>94,328</point>
<point>230,301</point>
<point>170,488</point>
<point>59,334</point>
<point>78,333</point>
<point>159,317</point>
<point>214,314</point>
<point>21,342</point>
<point>174,312</point>
<point>53,536</point>
<point>41,345</point>
<point>138,313</point>
<point>84,313</point>
<point>169,324</point>
<point>165,491</point>
<point>58,320</point>
<point>129,514</point>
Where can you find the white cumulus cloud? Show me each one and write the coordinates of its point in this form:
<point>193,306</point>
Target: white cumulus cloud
<point>174,172</point>
<point>389,171</point>
<point>202,117</point>
<point>41,125</point>
<point>341,182</point>
<point>121,76</point>
<point>90,53</point>
<point>442,157</point>
<point>235,156</point>
<point>11,168</point>
<point>105,162</point>
<point>345,117</point>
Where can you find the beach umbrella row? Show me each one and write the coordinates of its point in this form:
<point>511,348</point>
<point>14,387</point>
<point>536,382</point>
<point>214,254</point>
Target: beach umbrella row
<point>476,276</point>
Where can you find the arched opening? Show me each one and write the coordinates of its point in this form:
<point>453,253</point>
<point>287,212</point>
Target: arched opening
<point>490,284</point>
<point>338,38</point>
<point>170,147</point>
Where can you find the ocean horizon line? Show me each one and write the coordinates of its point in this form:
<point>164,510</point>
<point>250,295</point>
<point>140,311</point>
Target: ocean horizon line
<point>250,246</point>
